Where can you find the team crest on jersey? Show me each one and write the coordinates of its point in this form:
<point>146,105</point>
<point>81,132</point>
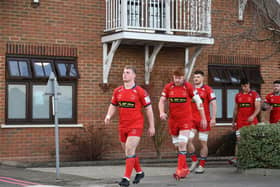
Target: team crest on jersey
<point>126,104</point>
<point>177,99</point>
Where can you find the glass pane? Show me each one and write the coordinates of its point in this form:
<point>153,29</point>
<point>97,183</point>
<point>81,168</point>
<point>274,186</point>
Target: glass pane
<point>38,69</point>
<point>230,101</point>
<point>73,72</point>
<point>47,68</point>
<point>65,102</point>
<point>23,69</point>
<point>62,70</point>
<point>219,99</point>
<point>40,103</point>
<point>235,75</point>
<point>16,101</point>
<point>13,67</point>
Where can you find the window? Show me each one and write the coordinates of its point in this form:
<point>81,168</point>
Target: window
<point>26,83</point>
<point>225,79</point>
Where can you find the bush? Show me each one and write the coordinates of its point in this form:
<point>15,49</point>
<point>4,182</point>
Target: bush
<point>90,145</point>
<point>259,146</point>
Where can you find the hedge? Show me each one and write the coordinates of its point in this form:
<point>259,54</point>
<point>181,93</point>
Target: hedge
<point>259,146</point>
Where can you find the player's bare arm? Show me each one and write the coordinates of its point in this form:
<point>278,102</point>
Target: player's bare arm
<point>161,104</point>
<point>150,117</point>
<point>213,105</point>
<point>200,108</point>
<point>111,111</point>
<point>257,110</point>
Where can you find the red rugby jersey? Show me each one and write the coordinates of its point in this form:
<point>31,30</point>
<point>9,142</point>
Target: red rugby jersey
<point>274,101</point>
<point>130,103</point>
<point>179,98</point>
<point>246,106</point>
<point>207,95</point>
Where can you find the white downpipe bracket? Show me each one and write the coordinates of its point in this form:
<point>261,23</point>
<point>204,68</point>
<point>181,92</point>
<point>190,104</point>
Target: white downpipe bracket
<point>241,9</point>
<point>108,58</point>
<point>150,61</point>
<point>189,63</point>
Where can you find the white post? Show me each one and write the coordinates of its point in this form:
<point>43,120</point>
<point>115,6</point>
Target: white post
<point>124,14</point>
<point>241,9</point>
<point>186,62</point>
<point>108,58</point>
<point>192,61</point>
<point>167,17</point>
<point>150,61</point>
<point>209,27</point>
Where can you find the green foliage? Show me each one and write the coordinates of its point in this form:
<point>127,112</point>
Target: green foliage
<point>259,146</point>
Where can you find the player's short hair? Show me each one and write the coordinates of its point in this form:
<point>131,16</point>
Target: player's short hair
<point>244,81</point>
<point>199,72</point>
<point>179,72</point>
<point>276,82</point>
<point>130,67</point>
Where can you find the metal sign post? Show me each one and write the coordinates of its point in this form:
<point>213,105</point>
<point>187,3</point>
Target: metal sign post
<point>52,90</point>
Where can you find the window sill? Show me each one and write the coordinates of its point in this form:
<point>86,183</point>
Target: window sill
<point>223,124</point>
<point>5,126</point>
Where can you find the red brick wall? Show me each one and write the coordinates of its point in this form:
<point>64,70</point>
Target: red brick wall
<point>80,24</point>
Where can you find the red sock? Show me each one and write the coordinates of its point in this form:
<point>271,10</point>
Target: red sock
<point>193,157</point>
<point>202,162</point>
<point>129,165</point>
<point>181,161</point>
<point>137,166</point>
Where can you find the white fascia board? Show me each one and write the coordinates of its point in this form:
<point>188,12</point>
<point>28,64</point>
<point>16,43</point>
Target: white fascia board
<point>157,37</point>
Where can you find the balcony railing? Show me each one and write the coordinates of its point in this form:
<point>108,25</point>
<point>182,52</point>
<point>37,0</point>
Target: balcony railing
<point>192,17</point>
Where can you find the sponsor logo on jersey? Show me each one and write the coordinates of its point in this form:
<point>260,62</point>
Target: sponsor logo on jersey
<point>276,104</point>
<point>177,99</point>
<point>126,104</point>
<point>244,105</point>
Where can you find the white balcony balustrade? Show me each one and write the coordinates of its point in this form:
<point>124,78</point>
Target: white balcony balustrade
<point>192,17</point>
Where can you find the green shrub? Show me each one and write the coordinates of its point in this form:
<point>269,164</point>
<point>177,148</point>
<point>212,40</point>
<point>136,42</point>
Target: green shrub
<point>259,146</point>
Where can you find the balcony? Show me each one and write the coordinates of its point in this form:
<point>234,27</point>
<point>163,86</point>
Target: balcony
<point>155,23</point>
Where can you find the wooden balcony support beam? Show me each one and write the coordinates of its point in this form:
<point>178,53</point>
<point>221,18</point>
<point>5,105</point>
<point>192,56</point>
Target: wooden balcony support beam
<point>150,60</point>
<point>108,58</point>
<point>189,63</point>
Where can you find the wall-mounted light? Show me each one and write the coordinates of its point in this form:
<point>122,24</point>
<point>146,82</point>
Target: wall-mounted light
<point>35,3</point>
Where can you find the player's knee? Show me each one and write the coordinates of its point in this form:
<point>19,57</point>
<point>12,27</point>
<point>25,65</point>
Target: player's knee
<point>192,134</point>
<point>203,136</point>
<point>175,140</point>
<point>237,133</point>
<point>183,139</point>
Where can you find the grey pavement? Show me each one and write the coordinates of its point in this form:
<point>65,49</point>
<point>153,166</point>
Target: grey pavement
<point>156,176</point>
<point>106,176</point>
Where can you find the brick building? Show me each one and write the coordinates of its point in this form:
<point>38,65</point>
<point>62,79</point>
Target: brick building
<point>87,43</point>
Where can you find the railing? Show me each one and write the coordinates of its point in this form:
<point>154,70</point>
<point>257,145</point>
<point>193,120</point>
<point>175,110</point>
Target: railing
<point>191,16</point>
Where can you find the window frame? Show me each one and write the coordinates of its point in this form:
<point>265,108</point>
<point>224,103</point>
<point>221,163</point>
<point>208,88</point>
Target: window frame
<point>33,61</point>
<point>35,80</point>
<point>225,86</point>
<point>8,72</point>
